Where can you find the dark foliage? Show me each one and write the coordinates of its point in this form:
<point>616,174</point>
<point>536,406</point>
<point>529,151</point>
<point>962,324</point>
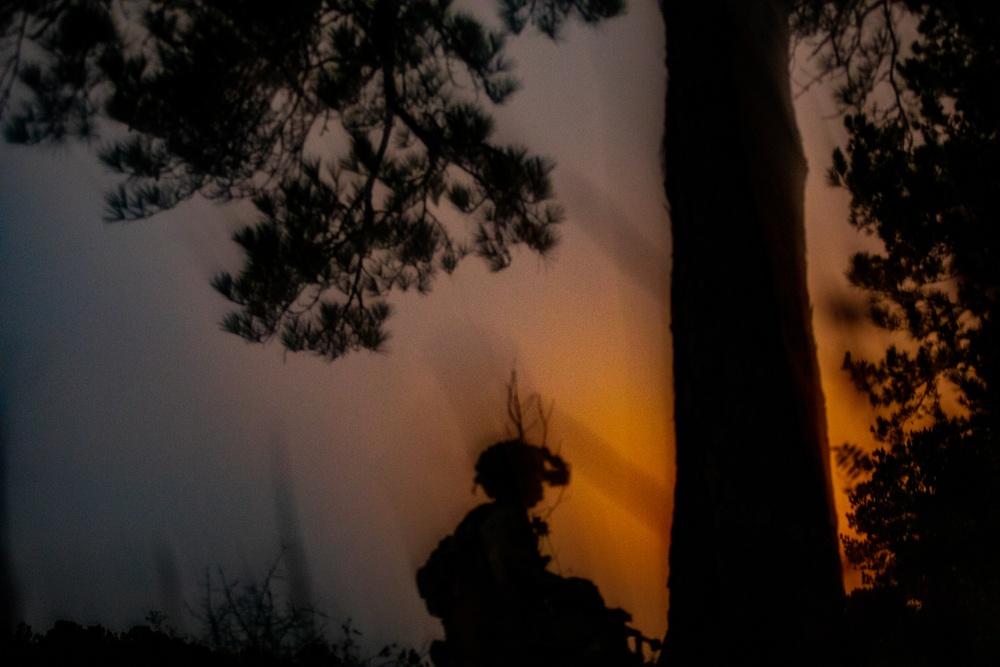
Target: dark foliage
<point>251,619</point>
<point>858,41</point>
<point>549,15</point>
<point>924,175</point>
<point>359,129</point>
<point>245,625</point>
<point>68,643</point>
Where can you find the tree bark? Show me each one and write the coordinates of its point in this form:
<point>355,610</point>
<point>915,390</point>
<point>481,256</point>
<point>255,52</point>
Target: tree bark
<point>754,562</point>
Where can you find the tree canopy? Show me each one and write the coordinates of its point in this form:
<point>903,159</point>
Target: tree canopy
<point>360,130</point>
<point>924,175</point>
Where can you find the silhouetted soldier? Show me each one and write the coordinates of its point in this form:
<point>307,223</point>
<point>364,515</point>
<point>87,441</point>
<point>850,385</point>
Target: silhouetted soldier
<point>489,586</point>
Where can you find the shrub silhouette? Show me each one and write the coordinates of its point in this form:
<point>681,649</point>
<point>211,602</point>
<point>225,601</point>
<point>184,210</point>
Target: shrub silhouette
<point>244,625</point>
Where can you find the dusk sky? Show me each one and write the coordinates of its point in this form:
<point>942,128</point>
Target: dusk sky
<point>138,433</point>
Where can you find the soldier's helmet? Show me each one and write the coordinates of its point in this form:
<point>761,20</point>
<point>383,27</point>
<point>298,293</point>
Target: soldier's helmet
<point>515,471</point>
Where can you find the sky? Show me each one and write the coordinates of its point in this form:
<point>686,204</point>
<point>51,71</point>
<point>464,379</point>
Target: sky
<point>144,442</point>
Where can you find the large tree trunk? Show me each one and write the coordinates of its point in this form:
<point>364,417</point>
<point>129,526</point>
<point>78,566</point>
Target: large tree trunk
<point>754,566</point>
